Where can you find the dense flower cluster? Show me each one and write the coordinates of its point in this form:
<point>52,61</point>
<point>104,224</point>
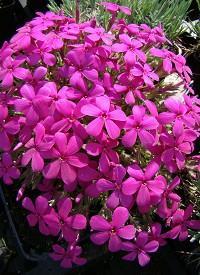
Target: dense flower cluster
<point>86,116</point>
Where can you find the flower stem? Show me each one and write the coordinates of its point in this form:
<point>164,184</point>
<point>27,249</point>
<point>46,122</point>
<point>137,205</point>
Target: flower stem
<point>77,11</point>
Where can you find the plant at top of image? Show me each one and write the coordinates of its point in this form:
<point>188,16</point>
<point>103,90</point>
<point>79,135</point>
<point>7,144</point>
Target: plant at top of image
<point>88,119</point>
<point>169,13</point>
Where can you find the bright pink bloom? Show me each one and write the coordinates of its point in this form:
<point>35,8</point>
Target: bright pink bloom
<point>7,128</point>
<point>105,148</point>
<point>39,212</point>
<point>168,196</point>
<point>117,197</point>
<point>36,146</point>
<point>34,106</point>
<point>193,109</point>
<point>167,56</point>
<point>81,64</point>
<point>131,47</point>
<point>67,257</point>
<point>146,72</point>
<point>68,159</point>
<point>180,222</point>
<point>156,235</point>
<point>11,69</point>
<point>98,34</point>
<point>22,40</point>
<point>140,249</point>
<point>151,35</point>
<point>177,111</point>
<point>148,189</point>
<point>42,51</point>
<point>7,169</point>
<point>71,116</point>
<point>68,224</point>
<point>177,146</point>
<point>113,231</point>
<point>113,8</point>
<point>138,125</point>
<point>105,115</point>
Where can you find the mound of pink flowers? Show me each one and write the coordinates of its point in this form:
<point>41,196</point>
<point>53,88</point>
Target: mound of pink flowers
<point>87,120</point>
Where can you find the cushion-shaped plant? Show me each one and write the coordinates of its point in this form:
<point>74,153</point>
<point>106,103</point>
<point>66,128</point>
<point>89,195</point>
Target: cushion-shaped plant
<point>87,118</point>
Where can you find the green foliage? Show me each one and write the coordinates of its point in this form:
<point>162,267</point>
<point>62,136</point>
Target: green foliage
<point>198,3</point>
<point>169,13</point>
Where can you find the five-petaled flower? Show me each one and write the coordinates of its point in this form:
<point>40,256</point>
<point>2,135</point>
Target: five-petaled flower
<point>113,231</point>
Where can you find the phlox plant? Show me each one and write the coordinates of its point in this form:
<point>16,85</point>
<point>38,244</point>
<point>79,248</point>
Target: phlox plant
<point>87,119</point>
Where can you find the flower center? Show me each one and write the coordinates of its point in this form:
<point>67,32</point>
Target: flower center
<point>113,231</point>
<point>104,115</point>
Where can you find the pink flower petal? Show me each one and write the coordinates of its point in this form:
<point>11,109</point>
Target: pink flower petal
<point>112,129</point>
<point>127,232</point>
<point>68,173</point>
<point>114,244</point>
<point>143,199</point>
<point>143,258</point>
<point>99,223</point>
<point>130,186</point>
<point>99,238</point>
<point>95,127</point>
<point>151,246</point>
<point>120,216</point>
<point>28,204</point>
<point>52,169</point>
<point>129,138</point>
<point>41,205</point>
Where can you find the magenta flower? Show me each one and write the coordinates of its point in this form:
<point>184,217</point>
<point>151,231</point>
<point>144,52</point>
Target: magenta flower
<point>69,225</point>
<point>34,106</point>
<point>105,149</point>
<point>104,116</point>
<point>68,159</point>
<point>168,196</point>
<point>183,70</point>
<point>167,56</point>
<point>180,222</point>
<point>148,190</point>
<point>7,129</point>
<point>117,197</point>
<point>81,65</point>
<point>150,36</point>
<point>113,8</point>
<point>38,76</point>
<point>67,257</point>
<point>71,115</point>
<point>146,73</point>
<point>7,169</point>
<point>131,47</point>
<point>99,34</point>
<point>23,39</point>
<point>42,51</point>
<point>10,70</point>
<point>80,90</point>
<point>156,235</point>
<point>138,125</point>
<point>177,146</point>
<point>140,249</point>
<point>36,146</point>
<point>39,214</point>
<point>5,51</point>
<point>113,231</point>
<point>177,112</point>
<point>193,108</point>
